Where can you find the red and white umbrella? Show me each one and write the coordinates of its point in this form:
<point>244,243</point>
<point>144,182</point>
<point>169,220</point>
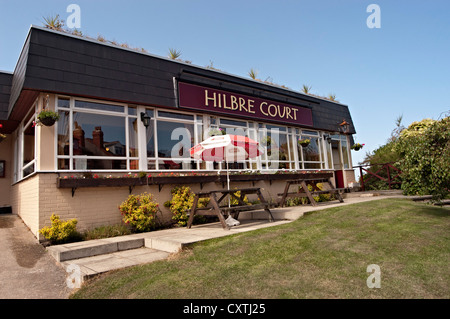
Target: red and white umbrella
<point>228,148</point>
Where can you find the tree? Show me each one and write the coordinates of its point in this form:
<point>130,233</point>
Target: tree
<point>424,148</point>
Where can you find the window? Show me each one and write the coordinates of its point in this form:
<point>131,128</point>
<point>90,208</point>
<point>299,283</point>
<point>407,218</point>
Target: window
<point>96,136</point>
<point>169,138</point>
<point>311,156</point>
<point>277,143</point>
<point>25,146</point>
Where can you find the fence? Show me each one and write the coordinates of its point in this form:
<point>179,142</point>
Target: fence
<point>389,168</point>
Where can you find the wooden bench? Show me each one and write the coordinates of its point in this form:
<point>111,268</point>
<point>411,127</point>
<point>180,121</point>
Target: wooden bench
<point>305,192</point>
<point>217,208</point>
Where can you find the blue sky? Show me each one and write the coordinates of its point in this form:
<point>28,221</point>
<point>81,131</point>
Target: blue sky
<point>402,68</point>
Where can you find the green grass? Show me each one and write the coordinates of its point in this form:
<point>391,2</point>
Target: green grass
<point>324,254</point>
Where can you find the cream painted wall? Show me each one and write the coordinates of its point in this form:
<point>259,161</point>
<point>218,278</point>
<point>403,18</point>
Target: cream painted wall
<point>6,150</point>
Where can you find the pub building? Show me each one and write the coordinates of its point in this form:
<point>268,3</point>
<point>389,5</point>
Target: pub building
<point>123,112</point>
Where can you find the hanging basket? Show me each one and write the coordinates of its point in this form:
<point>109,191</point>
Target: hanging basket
<point>47,121</point>
<point>304,143</point>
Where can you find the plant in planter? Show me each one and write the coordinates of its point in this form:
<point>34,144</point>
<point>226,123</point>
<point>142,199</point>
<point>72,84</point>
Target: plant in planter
<point>357,146</point>
<point>304,142</point>
<point>47,118</point>
<point>217,131</point>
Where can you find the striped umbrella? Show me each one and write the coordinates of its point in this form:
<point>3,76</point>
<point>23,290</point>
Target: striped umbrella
<point>228,148</point>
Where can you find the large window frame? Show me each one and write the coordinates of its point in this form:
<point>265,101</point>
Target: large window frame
<point>290,154</point>
<point>22,169</point>
<point>73,159</point>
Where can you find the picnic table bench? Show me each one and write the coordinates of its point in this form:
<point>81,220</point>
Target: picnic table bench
<point>305,192</point>
<point>216,207</point>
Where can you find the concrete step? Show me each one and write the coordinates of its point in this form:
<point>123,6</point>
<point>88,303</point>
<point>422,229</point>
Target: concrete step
<point>84,268</point>
<point>95,247</point>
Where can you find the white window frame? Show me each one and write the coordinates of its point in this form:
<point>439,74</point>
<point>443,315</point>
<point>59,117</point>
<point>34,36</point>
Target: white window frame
<point>72,108</point>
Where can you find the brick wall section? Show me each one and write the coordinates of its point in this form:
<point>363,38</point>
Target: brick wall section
<point>25,202</point>
<point>35,199</point>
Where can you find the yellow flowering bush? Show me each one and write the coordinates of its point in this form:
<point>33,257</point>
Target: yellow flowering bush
<point>139,211</point>
<point>181,202</point>
<point>60,231</point>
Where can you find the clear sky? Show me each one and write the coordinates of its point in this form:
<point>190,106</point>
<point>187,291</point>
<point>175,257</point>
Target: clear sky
<point>401,68</point>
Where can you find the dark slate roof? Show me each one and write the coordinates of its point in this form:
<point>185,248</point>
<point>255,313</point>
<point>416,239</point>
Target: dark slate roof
<point>57,62</point>
<point>5,91</point>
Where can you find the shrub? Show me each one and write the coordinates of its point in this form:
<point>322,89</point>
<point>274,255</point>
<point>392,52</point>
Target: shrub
<point>60,231</point>
<point>106,232</point>
<point>181,202</point>
<point>139,211</point>
<point>425,158</point>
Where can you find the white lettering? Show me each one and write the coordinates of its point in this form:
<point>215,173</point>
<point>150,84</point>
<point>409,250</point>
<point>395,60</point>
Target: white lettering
<point>74,20</point>
<point>374,20</point>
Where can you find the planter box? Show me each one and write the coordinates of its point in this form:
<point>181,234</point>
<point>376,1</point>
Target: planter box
<point>162,180</point>
<point>98,182</point>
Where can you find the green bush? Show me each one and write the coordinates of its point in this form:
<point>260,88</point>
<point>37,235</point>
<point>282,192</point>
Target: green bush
<point>139,211</point>
<point>425,158</point>
<point>181,202</point>
<point>106,232</point>
<point>60,232</point>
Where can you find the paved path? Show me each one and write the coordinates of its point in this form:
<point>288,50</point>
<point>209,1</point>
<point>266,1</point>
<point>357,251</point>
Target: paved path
<point>27,271</point>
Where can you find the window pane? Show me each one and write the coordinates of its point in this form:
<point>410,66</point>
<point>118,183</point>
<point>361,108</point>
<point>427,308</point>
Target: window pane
<point>99,106</point>
<point>62,102</point>
<point>63,163</point>
<point>63,133</point>
<point>232,123</point>
<point>106,164</point>
<point>311,153</point>
<point>345,153</point>
<point>176,115</point>
<point>171,164</point>
<point>28,145</point>
<point>133,137</point>
<point>98,135</point>
<point>312,165</point>
<point>183,136</point>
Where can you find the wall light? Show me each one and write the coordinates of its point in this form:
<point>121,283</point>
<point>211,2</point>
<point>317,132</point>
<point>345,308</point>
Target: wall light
<point>145,119</point>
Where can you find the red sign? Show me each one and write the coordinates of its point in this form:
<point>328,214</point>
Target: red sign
<point>217,101</point>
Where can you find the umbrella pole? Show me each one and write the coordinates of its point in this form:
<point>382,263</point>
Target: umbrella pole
<point>228,185</point>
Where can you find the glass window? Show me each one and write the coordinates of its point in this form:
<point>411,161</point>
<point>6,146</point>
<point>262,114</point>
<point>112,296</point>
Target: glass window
<point>174,139</point>
<point>63,102</point>
<point>63,133</point>
<point>311,153</point>
<point>91,141</point>
<point>99,106</point>
<point>171,115</point>
<point>98,135</point>
<point>232,123</point>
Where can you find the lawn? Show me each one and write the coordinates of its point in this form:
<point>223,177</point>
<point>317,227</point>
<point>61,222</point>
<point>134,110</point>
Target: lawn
<point>324,254</point>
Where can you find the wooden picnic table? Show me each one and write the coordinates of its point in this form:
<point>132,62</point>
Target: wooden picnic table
<point>305,192</point>
<point>219,207</point>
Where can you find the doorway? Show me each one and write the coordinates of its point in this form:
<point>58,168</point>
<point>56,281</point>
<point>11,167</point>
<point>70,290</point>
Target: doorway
<point>337,163</point>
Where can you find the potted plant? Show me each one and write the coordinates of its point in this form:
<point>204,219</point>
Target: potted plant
<point>217,131</point>
<point>357,146</point>
<point>47,118</point>
<point>2,137</point>
<point>304,142</point>
<point>267,141</point>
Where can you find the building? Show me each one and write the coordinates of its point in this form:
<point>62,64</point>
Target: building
<point>105,93</point>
